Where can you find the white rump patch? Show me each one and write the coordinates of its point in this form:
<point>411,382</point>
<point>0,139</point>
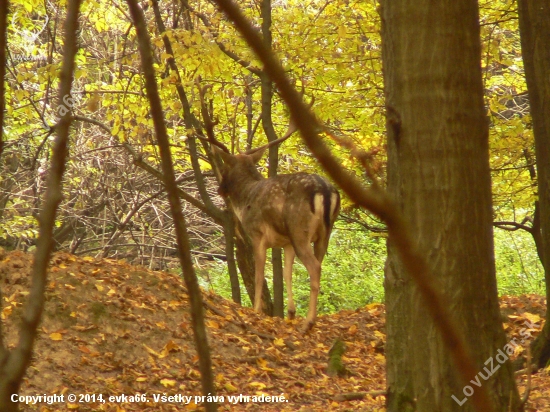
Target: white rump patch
<point>318,204</point>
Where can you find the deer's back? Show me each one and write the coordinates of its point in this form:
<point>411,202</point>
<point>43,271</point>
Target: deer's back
<point>286,206</point>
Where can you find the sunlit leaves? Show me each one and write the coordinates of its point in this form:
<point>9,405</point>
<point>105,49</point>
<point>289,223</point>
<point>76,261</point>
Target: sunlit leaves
<point>331,50</point>
<point>511,138</point>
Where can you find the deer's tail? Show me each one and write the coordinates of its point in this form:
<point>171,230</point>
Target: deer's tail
<point>327,197</point>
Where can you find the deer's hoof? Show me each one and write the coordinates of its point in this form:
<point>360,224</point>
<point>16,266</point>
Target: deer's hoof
<point>306,326</point>
<point>291,314</point>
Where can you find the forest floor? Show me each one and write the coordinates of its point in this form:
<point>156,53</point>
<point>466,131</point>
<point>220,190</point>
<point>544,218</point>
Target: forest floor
<point>114,330</point>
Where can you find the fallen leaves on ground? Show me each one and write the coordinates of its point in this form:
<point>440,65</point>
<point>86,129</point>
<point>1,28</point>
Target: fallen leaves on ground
<point>121,331</point>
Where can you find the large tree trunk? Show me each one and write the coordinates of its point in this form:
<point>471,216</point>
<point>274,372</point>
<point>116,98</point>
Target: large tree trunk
<point>438,173</point>
<point>534,25</point>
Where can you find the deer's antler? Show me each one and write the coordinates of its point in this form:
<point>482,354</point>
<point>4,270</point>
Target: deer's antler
<point>209,123</point>
<point>291,129</point>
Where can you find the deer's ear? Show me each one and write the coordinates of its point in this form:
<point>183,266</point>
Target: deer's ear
<point>227,158</point>
<point>256,156</point>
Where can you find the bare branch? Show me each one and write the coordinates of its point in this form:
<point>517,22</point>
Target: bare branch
<point>512,226</point>
<point>138,161</point>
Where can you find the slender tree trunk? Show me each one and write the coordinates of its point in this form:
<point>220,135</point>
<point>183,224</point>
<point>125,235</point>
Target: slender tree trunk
<point>267,123</point>
<point>229,234</point>
<point>245,261</point>
<point>438,173</point>
<point>14,362</point>
<point>534,26</point>
<point>191,122</point>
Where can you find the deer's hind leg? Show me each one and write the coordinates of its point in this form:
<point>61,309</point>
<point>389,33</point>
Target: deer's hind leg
<point>320,249</point>
<point>259,273</point>
<point>287,273</point>
<point>313,266</point>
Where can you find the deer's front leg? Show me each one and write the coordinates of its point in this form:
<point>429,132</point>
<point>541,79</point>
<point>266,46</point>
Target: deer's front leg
<point>259,266</point>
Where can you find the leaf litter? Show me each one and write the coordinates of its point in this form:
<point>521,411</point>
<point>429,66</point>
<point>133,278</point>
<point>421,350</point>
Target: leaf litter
<point>114,329</point>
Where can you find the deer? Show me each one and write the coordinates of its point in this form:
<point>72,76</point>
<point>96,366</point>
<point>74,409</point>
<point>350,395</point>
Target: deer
<point>289,211</point>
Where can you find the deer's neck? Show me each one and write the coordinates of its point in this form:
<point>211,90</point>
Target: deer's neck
<point>245,189</point>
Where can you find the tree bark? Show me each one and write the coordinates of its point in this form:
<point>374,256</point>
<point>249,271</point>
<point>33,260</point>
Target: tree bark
<point>534,26</point>
<point>438,174</point>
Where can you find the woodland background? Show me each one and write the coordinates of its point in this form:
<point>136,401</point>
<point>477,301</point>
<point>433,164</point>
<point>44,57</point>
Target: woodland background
<point>212,87</point>
<point>112,207</point>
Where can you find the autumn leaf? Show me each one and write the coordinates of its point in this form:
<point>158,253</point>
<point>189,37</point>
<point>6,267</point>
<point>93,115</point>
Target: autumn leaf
<point>162,325</point>
<point>533,318</point>
<point>171,346</point>
<point>279,342</point>
<point>152,351</point>
<point>379,335</point>
<point>262,363</point>
<point>230,388</point>
<point>83,349</point>
<point>7,311</point>
<point>212,324</point>
<point>56,336</point>
<point>168,383</point>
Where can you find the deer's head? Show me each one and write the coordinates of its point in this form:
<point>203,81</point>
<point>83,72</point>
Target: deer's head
<point>238,170</point>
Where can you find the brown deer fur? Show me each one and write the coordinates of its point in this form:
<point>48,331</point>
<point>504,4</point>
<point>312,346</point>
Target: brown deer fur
<point>288,211</point>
